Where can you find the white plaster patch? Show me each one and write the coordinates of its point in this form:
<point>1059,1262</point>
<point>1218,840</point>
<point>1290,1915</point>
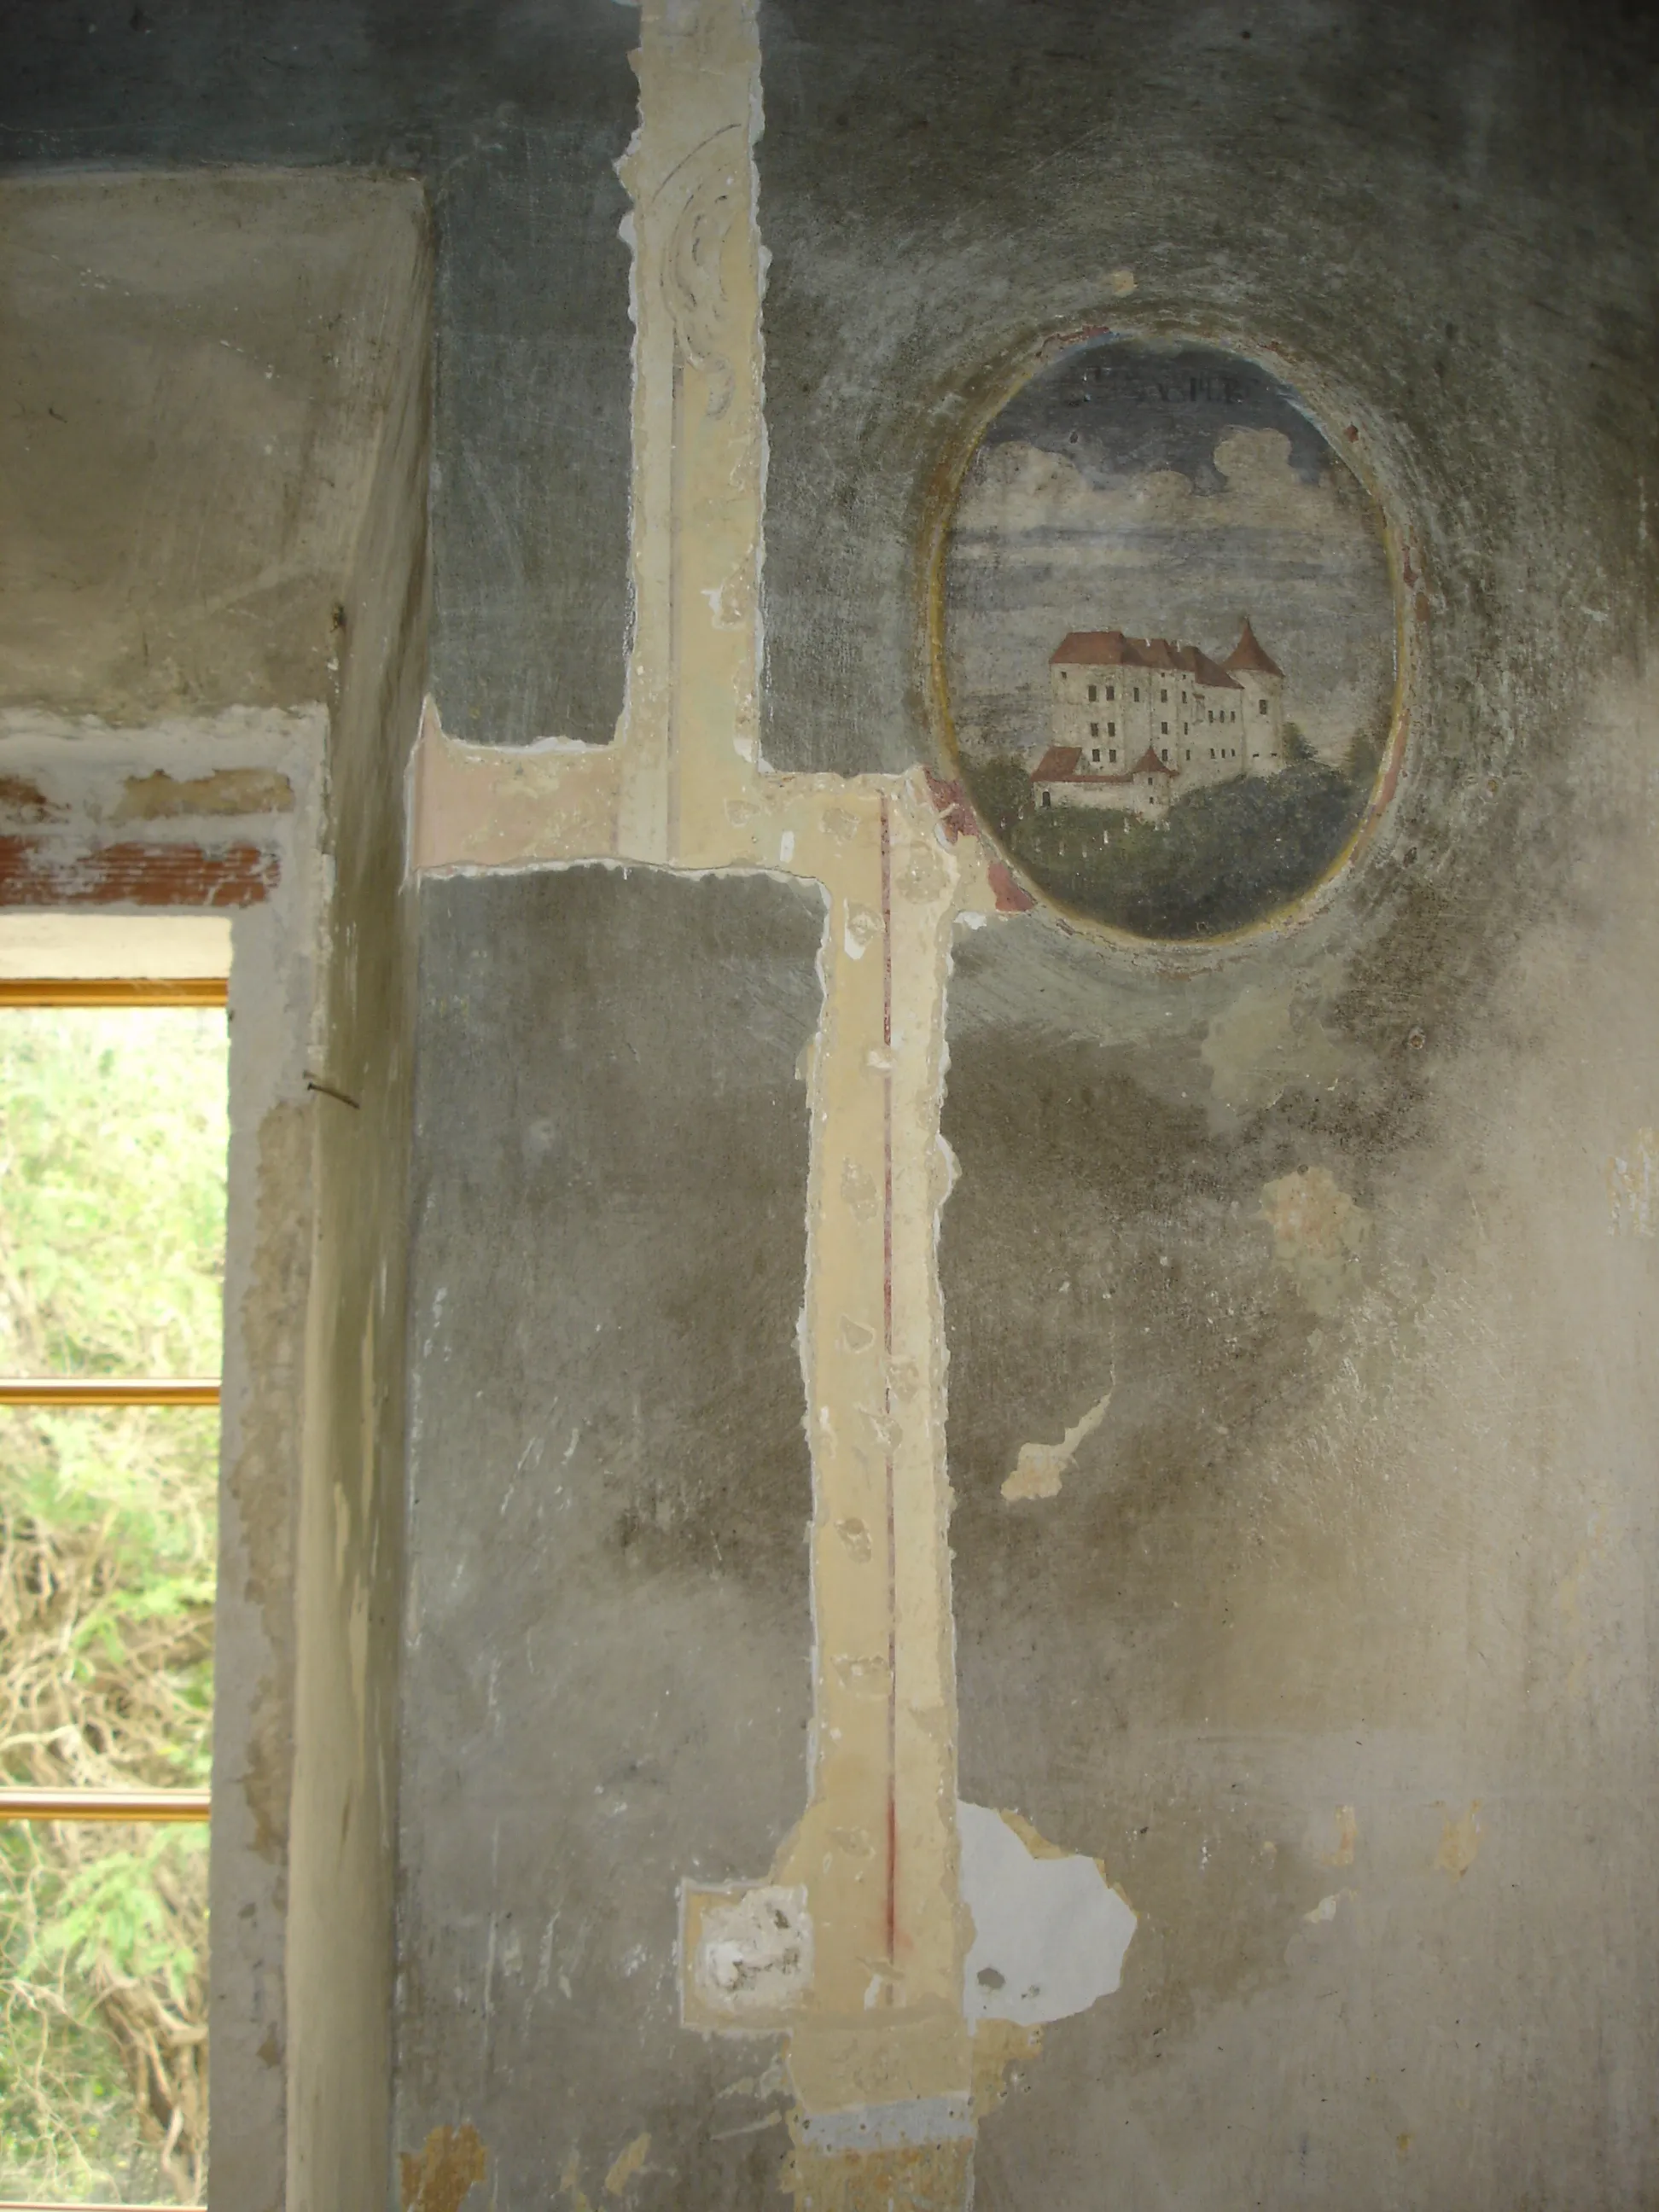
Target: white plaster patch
<point>754,1951</point>
<point>1049,1934</point>
<point>1038,1470</point>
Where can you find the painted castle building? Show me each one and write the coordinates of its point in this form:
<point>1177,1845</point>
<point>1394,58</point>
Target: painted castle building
<point>1134,723</point>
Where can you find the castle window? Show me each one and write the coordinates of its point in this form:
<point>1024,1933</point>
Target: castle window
<point>1164,729</point>
<point>1164,698</point>
<point>1164,755</point>
<point>1048,799</point>
<point>1211,752</point>
<point>1111,690</point>
<point>1189,752</point>
<point>1114,755</point>
<point>1264,706</point>
<point>1111,731</point>
<point>1096,754</point>
<point>1093,694</point>
<point>1094,729</point>
<point>1137,691</point>
<point>1213,714</point>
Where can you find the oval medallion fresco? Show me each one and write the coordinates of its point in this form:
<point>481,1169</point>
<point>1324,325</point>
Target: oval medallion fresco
<point>1168,640</point>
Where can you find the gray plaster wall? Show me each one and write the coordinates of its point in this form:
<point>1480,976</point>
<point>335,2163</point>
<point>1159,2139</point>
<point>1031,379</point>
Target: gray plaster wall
<point>607,1676</point>
<point>195,371</point>
<point>512,117</point>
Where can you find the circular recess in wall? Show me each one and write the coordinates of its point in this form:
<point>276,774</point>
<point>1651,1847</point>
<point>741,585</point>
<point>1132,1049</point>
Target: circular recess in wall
<point>1166,640</point>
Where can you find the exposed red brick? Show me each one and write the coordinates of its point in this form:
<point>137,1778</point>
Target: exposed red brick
<point>36,872</point>
<point>959,819</point>
<point>1011,897</point>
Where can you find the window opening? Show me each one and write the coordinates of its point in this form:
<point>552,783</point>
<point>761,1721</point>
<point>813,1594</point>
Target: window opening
<point>114,1118</point>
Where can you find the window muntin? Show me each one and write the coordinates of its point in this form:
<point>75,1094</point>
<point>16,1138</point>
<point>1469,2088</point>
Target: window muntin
<point>112,1131</point>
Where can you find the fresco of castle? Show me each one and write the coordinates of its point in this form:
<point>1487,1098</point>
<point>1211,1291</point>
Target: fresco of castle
<point>1136,723</point>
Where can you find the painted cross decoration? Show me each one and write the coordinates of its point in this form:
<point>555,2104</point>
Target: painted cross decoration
<point>854,1942</point>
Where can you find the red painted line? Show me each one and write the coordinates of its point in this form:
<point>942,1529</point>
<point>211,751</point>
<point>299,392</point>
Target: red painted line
<point>887,1387</point>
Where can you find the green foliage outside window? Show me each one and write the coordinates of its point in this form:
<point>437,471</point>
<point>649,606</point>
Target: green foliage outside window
<point>113,1134</point>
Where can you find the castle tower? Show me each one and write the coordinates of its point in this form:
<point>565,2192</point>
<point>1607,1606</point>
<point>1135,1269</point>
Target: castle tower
<point>1259,675</point>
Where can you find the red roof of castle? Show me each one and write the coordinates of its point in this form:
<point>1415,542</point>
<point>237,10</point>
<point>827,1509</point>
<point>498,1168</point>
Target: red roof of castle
<point>1249,653</point>
<point>1110,648</point>
<point>1062,764</point>
<point>1060,760</point>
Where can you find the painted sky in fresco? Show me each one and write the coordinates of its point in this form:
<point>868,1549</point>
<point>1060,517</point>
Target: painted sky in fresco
<point>1166,493</point>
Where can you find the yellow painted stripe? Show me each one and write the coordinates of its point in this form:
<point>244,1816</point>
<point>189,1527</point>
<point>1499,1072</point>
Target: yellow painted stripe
<point>111,991</point>
<point>103,1805</point>
<point>108,1390</point>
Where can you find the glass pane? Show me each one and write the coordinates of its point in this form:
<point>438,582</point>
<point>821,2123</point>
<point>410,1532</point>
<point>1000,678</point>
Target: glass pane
<point>112,1132</point>
<point>112,1240</point>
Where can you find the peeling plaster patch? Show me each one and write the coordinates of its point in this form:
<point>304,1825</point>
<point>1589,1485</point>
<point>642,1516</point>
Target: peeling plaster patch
<point>751,1951</point>
<point>1460,1840</point>
<point>1633,1186</point>
<point>938,2175</point>
<point>1347,1835</point>
<point>1001,2048</point>
<point>1049,1932</point>
<point>628,2163</point>
<point>1326,1908</point>
<point>1039,1468</point>
<point>160,797</point>
<point>21,800</point>
<point>450,2161</point>
<point>1318,1233</point>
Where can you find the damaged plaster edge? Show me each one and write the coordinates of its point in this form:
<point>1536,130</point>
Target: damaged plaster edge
<point>729,872</point>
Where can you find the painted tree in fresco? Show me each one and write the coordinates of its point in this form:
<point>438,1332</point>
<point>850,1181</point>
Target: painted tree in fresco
<point>112,1132</point>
